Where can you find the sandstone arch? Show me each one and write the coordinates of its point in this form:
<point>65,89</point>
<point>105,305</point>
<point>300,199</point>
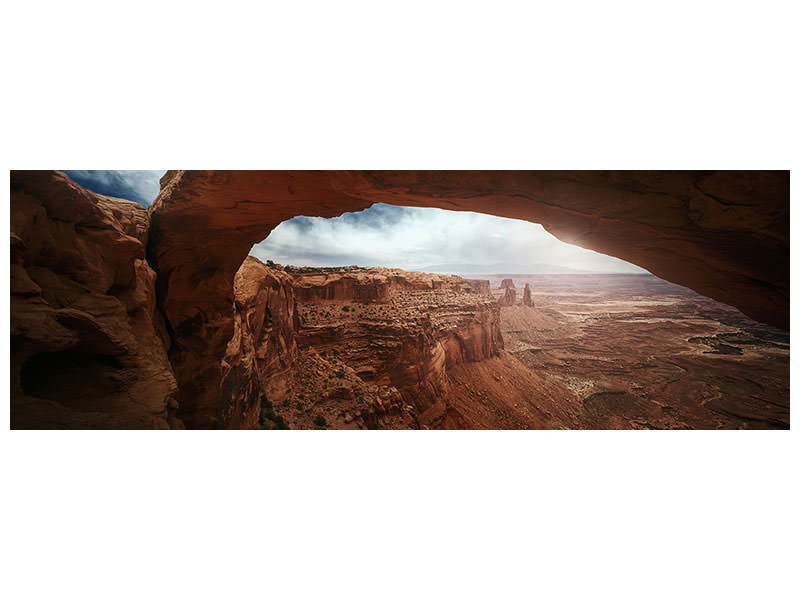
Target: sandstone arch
<point>723,233</point>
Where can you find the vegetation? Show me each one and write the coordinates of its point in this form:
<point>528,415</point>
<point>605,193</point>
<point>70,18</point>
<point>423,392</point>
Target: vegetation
<point>320,421</point>
<point>302,270</point>
<point>268,415</point>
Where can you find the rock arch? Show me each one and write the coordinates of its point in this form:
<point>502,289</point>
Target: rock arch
<point>723,233</point>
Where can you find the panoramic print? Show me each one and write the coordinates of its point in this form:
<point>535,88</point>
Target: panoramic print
<point>281,300</point>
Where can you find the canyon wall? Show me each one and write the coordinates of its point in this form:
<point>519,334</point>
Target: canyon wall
<point>422,326</point>
<point>373,285</point>
<point>725,234</point>
<point>260,355</point>
<point>87,341</point>
<point>118,306</point>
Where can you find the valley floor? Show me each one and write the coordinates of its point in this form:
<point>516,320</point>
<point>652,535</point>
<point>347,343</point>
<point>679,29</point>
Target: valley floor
<point>594,352</point>
<point>638,352</point>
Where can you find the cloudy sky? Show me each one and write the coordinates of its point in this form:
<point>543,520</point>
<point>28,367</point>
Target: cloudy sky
<point>139,186</point>
<point>416,238</point>
<point>395,236</point>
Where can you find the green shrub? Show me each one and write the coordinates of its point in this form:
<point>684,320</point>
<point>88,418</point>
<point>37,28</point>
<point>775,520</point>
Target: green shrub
<point>319,421</point>
<point>268,414</point>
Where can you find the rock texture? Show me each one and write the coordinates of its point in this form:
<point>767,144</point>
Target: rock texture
<point>87,342</point>
<point>404,343</point>
<point>722,233</point>
<point>263,350</point>
<point>509,297</point>
<point>527,298</point>
<point>637,352</point>
<point>82,283</point>
<point>507,283</point>
<point>373,284</point>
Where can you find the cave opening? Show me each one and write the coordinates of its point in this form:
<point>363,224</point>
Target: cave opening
<point>78,380</point>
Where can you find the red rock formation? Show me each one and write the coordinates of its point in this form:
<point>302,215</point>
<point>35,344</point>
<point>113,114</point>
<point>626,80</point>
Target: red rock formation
<point>724,234</point>
<point>478,286</point>
<point>507,283</point>
<point>87,343</point>
<point>527,298</point>
<point>373,284</point>
<point>426,325</point>
<point>509,298</point>
<point>339,287</point>
<point>263,350</point>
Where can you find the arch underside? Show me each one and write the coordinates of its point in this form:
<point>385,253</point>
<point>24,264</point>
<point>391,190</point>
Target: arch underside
<point>724,234</point>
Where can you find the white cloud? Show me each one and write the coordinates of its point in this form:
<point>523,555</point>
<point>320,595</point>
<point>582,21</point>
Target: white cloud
<point>413,238</point>
<point>139,186</point>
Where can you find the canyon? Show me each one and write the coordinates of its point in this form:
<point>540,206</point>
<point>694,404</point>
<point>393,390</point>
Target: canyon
<point>123,317</point>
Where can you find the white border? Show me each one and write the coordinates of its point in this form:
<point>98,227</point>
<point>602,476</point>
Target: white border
<point>414,85</point>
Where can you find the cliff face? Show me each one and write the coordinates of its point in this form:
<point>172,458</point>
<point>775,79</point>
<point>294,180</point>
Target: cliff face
<point>339,287</point>
<point>112,306</point>
<point>425,325</point>
<point>527,297</point>
<point>509,298</point>
<point>507,283</point>
<point>262,352</point>
<point>87,342</point>
<point>374,284</point>
<point>724,234</point>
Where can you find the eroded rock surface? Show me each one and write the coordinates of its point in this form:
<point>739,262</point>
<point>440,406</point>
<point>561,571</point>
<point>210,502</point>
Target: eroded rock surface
<point>87,342</point>
<point>509,297</point>
<point>722,233</point>
<point>262,352</point>
<point>638,352</point>
<point>507,283</point>
<point>402,344</point>
<point>84,310</point>
<point>527,297</point>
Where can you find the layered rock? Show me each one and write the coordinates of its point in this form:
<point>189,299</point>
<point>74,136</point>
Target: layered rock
<point>82,298</point>
<point>263,350</point>
<point>426,325</point>
<point>339,287</point>
<point>527,297</point>
<point>373,284</point>
<point>723,233</point>
<point>509,298</point>
<point>507,283</point>
<point>87,342</point>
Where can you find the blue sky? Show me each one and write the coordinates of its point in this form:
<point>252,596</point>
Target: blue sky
<point>392,236</point>
<point>139,186</point>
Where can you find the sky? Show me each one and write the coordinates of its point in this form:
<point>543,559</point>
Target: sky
<point>392,236</point>
<point>139,186</point>
<point>416,238</point>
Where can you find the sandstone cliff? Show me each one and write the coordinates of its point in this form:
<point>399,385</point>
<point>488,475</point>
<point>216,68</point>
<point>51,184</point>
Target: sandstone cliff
<point>121,318</point>
<point>262,352</point>
<point>423,325</point>
<point>509,298</point>
<point>724,234</point>
<point>507,283</point>
<point>87,342</point>
<point>373,284</point>
<point>527,298</point>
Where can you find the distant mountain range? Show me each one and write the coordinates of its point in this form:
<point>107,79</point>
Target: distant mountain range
<point>501,268</point>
